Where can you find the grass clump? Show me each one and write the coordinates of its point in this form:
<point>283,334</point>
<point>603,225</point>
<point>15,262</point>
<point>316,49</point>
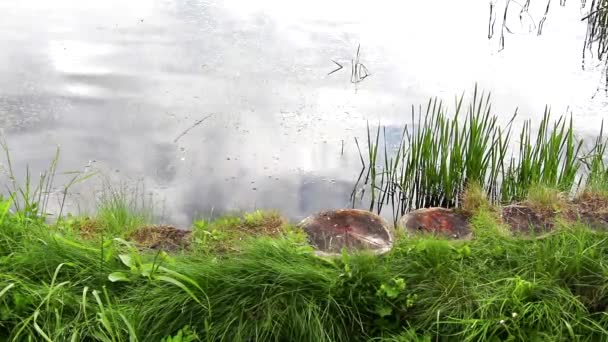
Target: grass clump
<point>597,165</point>
<point>545,199</point>
<point>475,200</point>
<point>121,210</point>
<point>443,151</point>
<point>486,224</point>
<point>228,233</point>
<point>597,185</point>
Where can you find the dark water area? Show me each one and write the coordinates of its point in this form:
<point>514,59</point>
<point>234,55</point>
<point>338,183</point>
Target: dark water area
<point>116,83</point>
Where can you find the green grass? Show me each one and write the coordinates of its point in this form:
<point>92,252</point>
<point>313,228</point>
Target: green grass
<point>444,150</point>
<point>543,198</point>
<point>231,232</point>
<point>122,209</point>
<point>59,287</point>
<point>474,200</point>
<point>597,164</point>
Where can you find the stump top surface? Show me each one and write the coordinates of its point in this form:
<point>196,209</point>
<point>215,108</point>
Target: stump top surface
<point>439,221</point>
<point>353,229</point>
<point>525,220</point>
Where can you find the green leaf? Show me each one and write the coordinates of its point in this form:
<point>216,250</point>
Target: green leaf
<point>109,253</point>
<point>68,242</point>
<point>75,336</point>
<point>132,334</point>
<point>180,277</point>
<point>465,251</point>
<point>39,329</point>
<point>6,288</point>
<point>118,276</point>
<point>202,224</point>
<point>178,284</point>
<point>384,310</point>
<point>163,256</point>
<point>5,206</point>
<point>411,300</point>
<point>400,284</point>
<point>123,242</point>
<point>390,291</point>
<point>126,260</point>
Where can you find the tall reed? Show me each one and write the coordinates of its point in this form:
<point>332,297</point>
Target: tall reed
<point>441,151</point>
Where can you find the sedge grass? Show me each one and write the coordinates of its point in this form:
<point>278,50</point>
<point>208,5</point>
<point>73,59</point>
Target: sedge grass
<point>597,165</point>
<point>442,152</point>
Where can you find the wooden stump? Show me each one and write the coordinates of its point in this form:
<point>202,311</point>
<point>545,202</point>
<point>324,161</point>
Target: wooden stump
<point>526,221</point>
<point>437,221</point>
<point>331,231</point>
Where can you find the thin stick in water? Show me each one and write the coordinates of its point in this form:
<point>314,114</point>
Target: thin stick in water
<point>191,127</point>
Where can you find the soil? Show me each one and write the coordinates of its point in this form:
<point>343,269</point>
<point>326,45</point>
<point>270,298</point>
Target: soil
<point>439,221</point>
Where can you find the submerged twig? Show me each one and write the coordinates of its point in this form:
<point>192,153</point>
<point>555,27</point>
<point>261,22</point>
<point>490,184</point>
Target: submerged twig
<point>191,127</point>
<point>491,21</point>
<point>596,36</point>
<point>337,69</point>
<point>358,71</point>
<point>542,21</point>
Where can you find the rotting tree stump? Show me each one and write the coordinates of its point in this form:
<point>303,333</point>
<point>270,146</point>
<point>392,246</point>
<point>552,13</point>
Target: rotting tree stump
<point>437,221</point>
<point>165,238</point>
<point>592,210</point>
<point>331,231</point>
<point>525,221</point>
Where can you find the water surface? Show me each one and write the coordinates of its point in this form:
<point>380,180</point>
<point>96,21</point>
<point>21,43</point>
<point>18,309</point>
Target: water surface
<point>114,83</point>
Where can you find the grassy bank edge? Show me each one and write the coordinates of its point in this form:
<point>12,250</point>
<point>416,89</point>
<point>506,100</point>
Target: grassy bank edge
<point>253,277</point>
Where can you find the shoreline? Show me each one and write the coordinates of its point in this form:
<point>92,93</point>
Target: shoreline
<point>257,277</point>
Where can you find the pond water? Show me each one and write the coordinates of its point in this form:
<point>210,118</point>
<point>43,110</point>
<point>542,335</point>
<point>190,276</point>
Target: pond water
<point>115,84</point>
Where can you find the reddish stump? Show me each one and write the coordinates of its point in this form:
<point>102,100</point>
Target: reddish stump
<point>331,231</point>
<point>524,220</point>
<point>437,221</point>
